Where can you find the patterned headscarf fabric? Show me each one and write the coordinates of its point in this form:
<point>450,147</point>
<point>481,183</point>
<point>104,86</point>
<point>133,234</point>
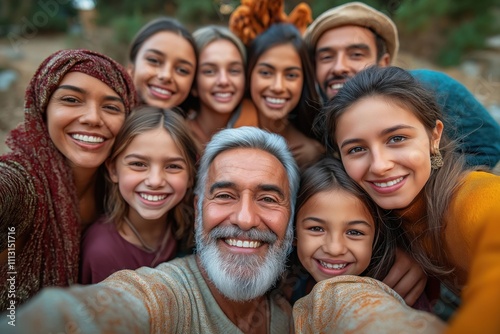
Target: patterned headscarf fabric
<point>51,72</point>
<point>50,219</point>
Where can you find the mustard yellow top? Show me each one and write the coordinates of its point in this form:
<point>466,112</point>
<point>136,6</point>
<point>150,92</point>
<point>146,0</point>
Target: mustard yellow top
<point>471,237</point>
<point>472,242</point>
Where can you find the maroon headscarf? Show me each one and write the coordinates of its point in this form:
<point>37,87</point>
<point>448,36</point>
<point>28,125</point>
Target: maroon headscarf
<point>47,78</point>
<point>44,182</point>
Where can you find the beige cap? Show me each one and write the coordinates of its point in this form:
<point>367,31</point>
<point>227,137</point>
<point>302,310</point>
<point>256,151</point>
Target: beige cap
<point>359,14</point>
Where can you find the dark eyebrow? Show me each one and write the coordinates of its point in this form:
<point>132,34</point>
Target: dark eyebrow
<point>266,65</point>
<point>350,223</point>
<point>83,91</point>
<point>314,219</point>
<point>349,141</point>
<point>359,222</point>
<point>362,46</point>
<point>159,53</point>
<point>274,68</point>
<point>383,132</point>
<point>184,61</point>
<point>395,128</point>
<point>73,88</point>
<point>113,98</point>
<point>139,156</point>
<point>207,63</point>
<point>134,156</point>
<point>324,49</point>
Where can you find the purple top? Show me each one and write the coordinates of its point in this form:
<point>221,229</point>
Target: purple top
<point>104,251</point>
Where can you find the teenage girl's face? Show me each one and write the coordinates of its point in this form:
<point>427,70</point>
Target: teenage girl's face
<point>164,70</point>
<point>386,150</point>
<point>83,117</point>
<point>335,234</point>
<point>152,175</point>
<point>221,77</point>
<point>276,81</point>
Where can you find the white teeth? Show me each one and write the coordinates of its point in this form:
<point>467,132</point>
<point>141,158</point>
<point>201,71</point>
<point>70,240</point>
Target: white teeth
<point>388,184</point>
<point>337,86</point>
<point>223,95</point>
<point>275,100</point>
<point>153,198</point>
<point>87,139</point>
<point>333,265</point>
<point>243,244</point>
<point>161,90</point>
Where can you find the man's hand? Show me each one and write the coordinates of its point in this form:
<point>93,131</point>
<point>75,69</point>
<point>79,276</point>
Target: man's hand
<point>406,277</point>
<point>306,151</point>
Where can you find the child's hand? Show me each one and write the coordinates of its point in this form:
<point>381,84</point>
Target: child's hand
<point>406,277</point>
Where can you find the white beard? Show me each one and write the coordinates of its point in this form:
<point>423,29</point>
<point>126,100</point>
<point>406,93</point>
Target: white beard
<point>242,277</point>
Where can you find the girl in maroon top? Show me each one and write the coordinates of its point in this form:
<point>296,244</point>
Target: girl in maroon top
<point>151,172</point>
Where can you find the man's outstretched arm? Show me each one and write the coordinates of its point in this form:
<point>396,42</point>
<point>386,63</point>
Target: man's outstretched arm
<point>80,309</point>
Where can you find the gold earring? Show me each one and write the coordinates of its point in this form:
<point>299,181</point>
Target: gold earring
<point>436,159</point>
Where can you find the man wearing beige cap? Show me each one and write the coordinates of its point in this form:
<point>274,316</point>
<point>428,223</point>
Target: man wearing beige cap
<point>346,39</point>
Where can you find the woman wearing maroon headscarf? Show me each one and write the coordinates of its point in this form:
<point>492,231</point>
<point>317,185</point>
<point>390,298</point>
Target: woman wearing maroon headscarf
<point>51,182</point>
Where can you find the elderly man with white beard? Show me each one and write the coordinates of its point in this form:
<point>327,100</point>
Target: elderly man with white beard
<point>245,198</point>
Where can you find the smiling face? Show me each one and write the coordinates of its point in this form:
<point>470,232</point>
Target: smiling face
<point>220,80</point>
<point>276,82</point>
<point>335,234</point>
<point>242,226</point>
<point>248,196</point>
<point>386,149</point>
<point>152,175</point>
<point>163,74</point>
<point>342,52</point>
<point>83,117</point>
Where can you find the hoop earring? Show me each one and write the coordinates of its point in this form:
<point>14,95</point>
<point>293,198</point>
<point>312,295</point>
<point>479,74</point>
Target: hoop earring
<point>436,159</point>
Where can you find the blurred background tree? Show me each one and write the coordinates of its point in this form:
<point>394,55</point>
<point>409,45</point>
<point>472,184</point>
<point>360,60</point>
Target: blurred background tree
<point>452,28</point>
<point>442,31</point>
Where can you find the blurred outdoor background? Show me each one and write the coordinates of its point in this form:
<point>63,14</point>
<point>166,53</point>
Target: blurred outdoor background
<point>459,37</point>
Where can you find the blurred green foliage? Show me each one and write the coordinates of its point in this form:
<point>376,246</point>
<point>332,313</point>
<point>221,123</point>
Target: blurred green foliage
<point>463,25</point>
<point>456,26</point>
<point>42,15</point>
<point>125,27</point>
<point>198,12</point>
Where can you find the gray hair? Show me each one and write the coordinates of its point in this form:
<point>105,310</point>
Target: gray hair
<point>206,35</point>
<point>249,137</point>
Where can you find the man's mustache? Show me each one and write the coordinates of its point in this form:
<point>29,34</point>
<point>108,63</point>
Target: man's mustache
<point>329,81</point>
<point>224,232</point>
